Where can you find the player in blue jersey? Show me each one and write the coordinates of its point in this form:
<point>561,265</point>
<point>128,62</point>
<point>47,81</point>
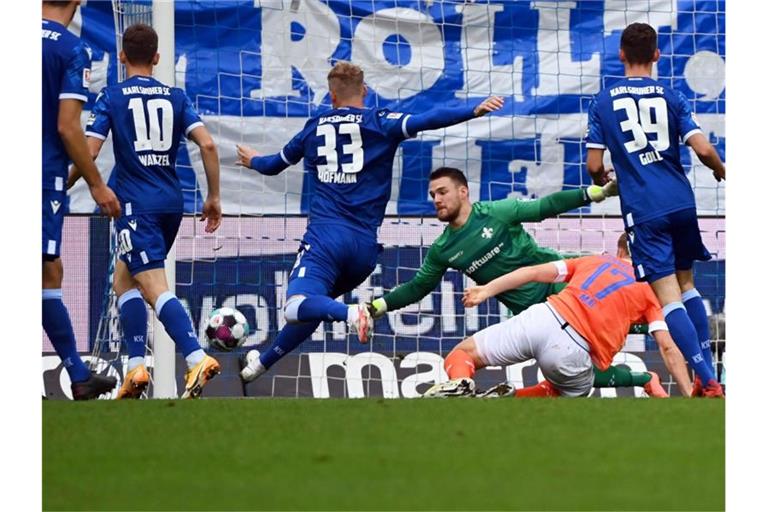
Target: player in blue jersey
<point>348,154</point>
<point>147,120</point>
<point>642,122</point>
<point>66,72</point>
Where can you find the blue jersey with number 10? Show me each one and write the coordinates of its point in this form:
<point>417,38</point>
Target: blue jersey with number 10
<point>642,123</point>
<point>147,120</point>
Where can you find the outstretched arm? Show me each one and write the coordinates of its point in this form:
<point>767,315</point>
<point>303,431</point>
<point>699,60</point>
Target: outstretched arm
<point>544,273</point>
<point>269,165</point>
<point>425,280</point>
<point>673,360</point>
<point>536,210</point>
<point>444,117</point>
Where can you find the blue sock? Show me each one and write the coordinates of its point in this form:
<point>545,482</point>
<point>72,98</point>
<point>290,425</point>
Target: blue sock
<point>133,318</point>
<point>177,323</point>
<point>698,315</point>
<point>58,327</point>
<point>289,337</point>
<point>682,331</point>
<point>320,307</point>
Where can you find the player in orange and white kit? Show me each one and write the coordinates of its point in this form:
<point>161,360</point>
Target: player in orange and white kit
<point>585,324</point>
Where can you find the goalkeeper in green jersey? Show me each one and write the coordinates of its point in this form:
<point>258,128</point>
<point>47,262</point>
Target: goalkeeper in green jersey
<point>486,240</point>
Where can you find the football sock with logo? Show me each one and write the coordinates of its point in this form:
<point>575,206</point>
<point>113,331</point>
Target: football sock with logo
<point>58,327</point>
<point>694,305</point>
<point>540,390</point>
<point>619,377</point>
<point>682,331</point>
<point>289,337</point>
<point>320,307</point>
<point>178,326</point>
<point>459,365</point>
<point>133,319</point>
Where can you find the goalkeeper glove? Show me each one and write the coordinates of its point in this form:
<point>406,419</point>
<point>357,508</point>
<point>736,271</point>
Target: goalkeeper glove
<point>377,308</point>
<point>596,193</point>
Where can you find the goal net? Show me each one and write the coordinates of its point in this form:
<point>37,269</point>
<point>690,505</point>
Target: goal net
<point>256,70</point>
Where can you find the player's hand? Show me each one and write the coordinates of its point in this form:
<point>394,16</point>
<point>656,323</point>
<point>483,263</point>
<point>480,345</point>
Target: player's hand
<point>489,105</point>
<point>106,199</point>
<point>211,213</point>
<point>244,155</point>
<point>719,176</point>
<point>474,295</point>
<point>377,308</point>
<point>597,193</point>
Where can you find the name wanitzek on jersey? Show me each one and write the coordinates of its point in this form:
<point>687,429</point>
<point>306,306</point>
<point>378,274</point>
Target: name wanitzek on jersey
<point>336,177</point>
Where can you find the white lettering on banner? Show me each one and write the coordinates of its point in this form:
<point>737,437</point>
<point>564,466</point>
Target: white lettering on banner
<point>309,55</point>
<point>447,308</point>
<point>657,13</point>
<point>403,80</point>
<point>558,72</point>
<point>425,323</point>
<point>481,76</point>
<point>436,373</point>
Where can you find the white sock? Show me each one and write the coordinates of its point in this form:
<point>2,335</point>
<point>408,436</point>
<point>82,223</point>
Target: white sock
<point>134,362</point>
<point>194,358</point>
<point>352,314</point>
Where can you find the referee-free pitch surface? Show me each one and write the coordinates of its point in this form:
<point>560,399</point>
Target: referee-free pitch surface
<point>450,454</point>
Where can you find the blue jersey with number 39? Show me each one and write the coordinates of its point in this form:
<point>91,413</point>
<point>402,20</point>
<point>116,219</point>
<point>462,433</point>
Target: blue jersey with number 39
<point>348,152</point>
<point>147,120</point>
<point>642,123</point>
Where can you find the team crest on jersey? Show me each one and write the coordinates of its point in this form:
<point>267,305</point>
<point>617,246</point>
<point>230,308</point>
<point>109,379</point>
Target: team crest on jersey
<point>55,205</point>
<point>86,77</point>
<point>487,233</point>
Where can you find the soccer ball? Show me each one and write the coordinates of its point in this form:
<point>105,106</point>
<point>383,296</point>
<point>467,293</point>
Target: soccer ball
<point>227,328</point>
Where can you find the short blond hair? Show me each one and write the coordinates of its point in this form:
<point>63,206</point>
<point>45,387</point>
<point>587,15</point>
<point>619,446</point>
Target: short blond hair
<point>346,79</point>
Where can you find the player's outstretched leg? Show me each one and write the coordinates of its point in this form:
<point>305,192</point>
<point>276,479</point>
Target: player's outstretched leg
<point>133,319</point>
<point>618,377</point>
<point>58,326</point>
<point>320,307</point>
<point>289,337</point>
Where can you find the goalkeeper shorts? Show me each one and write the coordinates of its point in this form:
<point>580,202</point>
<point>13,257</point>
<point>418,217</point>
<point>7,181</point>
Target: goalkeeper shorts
<point>562,354</point>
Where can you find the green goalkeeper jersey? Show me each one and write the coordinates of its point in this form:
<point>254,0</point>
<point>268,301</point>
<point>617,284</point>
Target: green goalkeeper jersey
<point>490,244</point>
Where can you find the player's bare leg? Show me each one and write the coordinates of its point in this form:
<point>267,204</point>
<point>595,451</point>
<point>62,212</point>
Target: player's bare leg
<point>201,368</point>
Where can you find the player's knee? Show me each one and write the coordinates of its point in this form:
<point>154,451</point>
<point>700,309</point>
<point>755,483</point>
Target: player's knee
<point>53,273</point>
<point>469,347</point>
<point>291,309</point>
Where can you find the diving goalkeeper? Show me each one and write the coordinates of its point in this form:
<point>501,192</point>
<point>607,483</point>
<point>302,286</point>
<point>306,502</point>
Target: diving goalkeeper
<point>486,240</point>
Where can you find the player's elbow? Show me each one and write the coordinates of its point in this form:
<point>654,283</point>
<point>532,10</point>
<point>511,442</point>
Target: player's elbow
<point>208,146</point>
<point>67,129</point>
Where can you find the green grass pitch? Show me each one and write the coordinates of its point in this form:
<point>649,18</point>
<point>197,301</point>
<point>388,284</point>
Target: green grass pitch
<point>461,454</point>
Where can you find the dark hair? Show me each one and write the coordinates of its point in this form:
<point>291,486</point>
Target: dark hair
<point>639,43</point>
<point>622,242</point>
<point>449,172</point>
<point>140,44</point>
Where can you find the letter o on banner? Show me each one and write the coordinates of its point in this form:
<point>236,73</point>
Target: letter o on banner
<point>399,81</point>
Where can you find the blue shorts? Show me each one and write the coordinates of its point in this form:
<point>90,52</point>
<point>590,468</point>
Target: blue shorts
<point>663,245</point>
<point>143,241</point>
<point>332,260</point>
<point>55,204</point>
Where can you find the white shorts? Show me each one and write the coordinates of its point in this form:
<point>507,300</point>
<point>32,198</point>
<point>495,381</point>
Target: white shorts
<point>538,333</point>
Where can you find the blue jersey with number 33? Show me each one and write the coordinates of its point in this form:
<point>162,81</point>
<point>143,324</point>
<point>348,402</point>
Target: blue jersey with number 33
<point>642,123</point>
<point>348,152</point>
<point>147,120</point>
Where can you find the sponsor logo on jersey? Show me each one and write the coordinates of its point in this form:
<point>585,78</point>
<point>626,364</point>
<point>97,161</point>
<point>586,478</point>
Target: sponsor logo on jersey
<point>55,205</point>
<point>487,233</point>
<point>476,264</point>
<point>453,258</point>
